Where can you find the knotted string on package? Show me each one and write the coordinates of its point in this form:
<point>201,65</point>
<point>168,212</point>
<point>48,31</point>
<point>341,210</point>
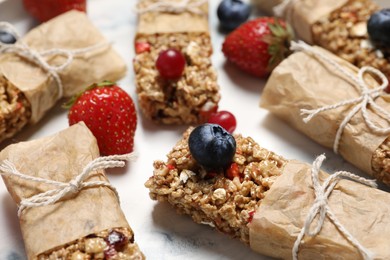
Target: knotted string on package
<point>192,6</point>
<point>367,95</point>
<point>65,189</point>
<point>39,57</point>
<point>321,208</point>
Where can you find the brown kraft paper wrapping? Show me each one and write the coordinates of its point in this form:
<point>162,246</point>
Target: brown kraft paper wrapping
<point>302,81</point>
<point>362,210</point>
<point>302,14</point>
<point>70,31</point>
<point>61,157</point>
<point>153,22</point>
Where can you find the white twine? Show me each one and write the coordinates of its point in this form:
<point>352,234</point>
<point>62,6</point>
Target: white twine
<point>64,189</point>
<point>366,98</point>
<point>39,58</point>
<point>192,6</point>
<point>322,209</point>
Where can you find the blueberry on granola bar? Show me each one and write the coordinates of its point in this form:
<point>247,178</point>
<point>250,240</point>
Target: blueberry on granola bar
<point>378,27</point>
<point>212,146</point>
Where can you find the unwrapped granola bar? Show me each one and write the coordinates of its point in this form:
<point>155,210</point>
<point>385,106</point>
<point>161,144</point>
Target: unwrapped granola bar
<point>190,98</point>
<point>86,224</point>
<point>266,201</point>
<point>338,26</point>
<point>28,88</point>
<point>320,95</point>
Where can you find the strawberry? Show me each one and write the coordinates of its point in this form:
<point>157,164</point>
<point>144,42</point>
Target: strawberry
<point>44,10</point>
<point>109,113</point>
<point>259,45</point>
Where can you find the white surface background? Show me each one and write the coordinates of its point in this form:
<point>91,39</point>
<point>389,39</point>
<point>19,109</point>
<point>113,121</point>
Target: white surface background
<point>159,231</point>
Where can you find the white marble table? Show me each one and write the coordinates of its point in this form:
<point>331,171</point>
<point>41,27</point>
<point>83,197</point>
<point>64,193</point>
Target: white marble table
<point>159,231</point>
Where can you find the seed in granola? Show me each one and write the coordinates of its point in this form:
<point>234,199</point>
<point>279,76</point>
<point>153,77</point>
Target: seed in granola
<point>170,64</point>
<point>378,27</point>
<point>212,146</point>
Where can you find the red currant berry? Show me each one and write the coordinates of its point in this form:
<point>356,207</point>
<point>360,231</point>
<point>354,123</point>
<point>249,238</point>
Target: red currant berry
<point>225,119</point>
<point>170,64</point>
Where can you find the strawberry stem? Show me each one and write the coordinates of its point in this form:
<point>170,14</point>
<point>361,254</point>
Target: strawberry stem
<point>74,98</point>
<point>279,43</point>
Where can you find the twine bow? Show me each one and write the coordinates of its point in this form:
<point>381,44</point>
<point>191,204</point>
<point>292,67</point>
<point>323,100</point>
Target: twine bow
<point>367,96</point>
<point>192,6</point>
<point>39,58</point>
<point>65,189</point>
<point>322,209</point>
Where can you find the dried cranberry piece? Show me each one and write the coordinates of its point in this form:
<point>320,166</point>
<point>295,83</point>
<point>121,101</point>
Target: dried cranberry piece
<point>233,171</point>
<point>117,240</point>
<point>251,214</point>
<point>110,252</point>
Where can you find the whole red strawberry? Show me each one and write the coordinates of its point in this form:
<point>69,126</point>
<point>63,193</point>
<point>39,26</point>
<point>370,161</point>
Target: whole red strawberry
<point>44,10</point>
<point>259,45</point>
<point>109,113</point>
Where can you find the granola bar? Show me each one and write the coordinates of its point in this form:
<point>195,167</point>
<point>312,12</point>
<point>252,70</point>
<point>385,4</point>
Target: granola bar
<point>265,201</point>
<point>189,99</point>
<point>98,246</point>
<point>344,33</point>
<point>215,200</point>
<point>15,110</point>
<point>359,144</point>
<point>70,227</point>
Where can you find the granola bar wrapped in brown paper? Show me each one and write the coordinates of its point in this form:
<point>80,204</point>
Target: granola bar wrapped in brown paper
<point>57,59</point>
<point>339,26</point>
<point>169,24</point>
<point>86,221</point>
<point>336,105</point>
<point>355,224</point>
<point>268,202</point>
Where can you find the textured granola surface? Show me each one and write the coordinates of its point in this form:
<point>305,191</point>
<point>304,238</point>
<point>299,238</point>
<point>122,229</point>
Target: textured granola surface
<point>15,110</point>
<point>96,246</point>
<point>182,101</point>
<point>344,32</point>
<point>381,162</point>
<point>211,198</point>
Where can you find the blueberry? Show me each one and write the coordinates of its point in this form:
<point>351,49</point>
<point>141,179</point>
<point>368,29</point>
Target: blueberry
<point>212,146</point>
<point>7,38</point>
<point>378,27</point>
<point>232,13</point>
